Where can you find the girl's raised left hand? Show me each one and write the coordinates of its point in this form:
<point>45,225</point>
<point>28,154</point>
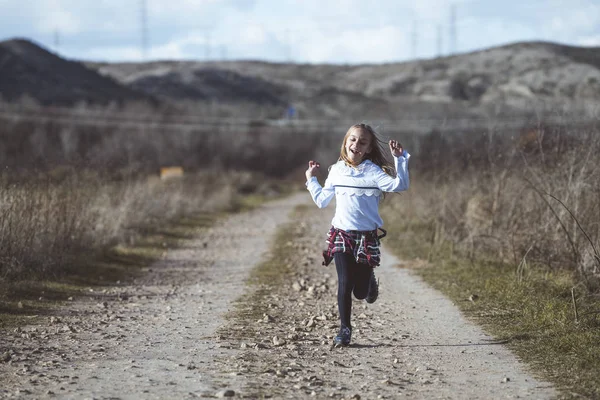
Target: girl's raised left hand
<point>396,148</point>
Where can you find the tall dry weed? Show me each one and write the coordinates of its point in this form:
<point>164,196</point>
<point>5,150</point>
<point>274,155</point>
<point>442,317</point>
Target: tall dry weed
<point>46,223</point>
<point>506,194</point>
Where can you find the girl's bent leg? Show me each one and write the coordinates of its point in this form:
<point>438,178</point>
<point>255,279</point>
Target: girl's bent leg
<point>344,264</point>
<point>362,277</point>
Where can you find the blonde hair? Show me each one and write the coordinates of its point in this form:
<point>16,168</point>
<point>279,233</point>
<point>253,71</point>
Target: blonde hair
<point>376,155</point>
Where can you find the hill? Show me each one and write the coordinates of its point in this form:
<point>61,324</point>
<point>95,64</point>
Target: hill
<point>518,75</point>
<point>515,76</point>
<point>28,69</point>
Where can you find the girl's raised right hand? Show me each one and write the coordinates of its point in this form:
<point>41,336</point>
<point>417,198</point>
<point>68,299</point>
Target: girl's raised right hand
<point>396,148</point>
<point>312,169</point>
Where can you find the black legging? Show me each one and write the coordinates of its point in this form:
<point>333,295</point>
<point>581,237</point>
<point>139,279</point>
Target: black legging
<point>352,277</point>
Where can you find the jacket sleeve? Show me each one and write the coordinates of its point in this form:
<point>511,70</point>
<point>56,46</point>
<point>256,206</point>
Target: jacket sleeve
<point>400,182</point>
<point>320,195</point>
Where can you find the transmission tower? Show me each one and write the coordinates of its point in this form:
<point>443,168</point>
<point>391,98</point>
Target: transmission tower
<point>414,40</point>
<point>439,40</point>
<point>56,40</point>
<point>144,26</point>
<point>288,46</point>
<point>207,45</point>
<point>453,47</point>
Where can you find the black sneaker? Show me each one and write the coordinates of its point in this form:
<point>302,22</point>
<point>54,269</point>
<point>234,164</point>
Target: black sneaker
<point>373,289</point>
<point>343,337</point>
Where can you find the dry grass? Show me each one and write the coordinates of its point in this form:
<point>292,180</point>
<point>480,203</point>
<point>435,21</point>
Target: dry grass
<point>513,219</point>
<point>46,224</point>
<point>77,180</point>
<point>529,306</point>
<point>81,203</point>
<point>114,229</point>
<point>141,138</point>
<point>505,195</point>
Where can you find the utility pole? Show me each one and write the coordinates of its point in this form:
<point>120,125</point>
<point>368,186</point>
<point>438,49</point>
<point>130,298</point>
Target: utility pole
<point>439,40</point>
<point>414,40</point>
<point>144,26</point>
<point>207,45</point>
<point>288,46</point>
<point>56,40</point>
<point>453,47</point>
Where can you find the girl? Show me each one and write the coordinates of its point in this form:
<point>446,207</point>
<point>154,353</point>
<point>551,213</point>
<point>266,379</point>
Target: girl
<point>358,181</point>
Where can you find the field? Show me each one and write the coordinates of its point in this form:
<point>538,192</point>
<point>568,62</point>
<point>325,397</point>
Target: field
<point>503,216</point>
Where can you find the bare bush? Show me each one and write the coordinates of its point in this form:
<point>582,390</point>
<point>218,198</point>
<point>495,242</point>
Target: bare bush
<point>45,222</point>
<point>505,194</point>
<point>144,138</point>
<point>52,207</point>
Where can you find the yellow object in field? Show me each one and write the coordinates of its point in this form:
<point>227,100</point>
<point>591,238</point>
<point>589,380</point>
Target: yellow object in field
<point>171,172</point>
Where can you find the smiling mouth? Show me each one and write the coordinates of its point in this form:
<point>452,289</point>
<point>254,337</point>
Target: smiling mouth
<point>355,152</point>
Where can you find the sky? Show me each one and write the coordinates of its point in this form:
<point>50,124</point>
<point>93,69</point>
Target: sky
<point>300,31</point>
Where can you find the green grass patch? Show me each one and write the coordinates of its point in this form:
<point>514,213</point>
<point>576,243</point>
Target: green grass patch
<point>531,308</point>
<point>266,277</point>
<point>249,201</point>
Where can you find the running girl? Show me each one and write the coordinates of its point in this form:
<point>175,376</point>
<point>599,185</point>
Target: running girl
<point>357,181</point>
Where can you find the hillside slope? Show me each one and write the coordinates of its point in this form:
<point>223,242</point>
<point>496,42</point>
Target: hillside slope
<point>517,75</point>
<point>28,69</point>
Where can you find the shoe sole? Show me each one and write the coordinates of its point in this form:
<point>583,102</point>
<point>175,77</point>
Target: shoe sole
<point>337,342</point>
<point>371,301</point>
<point>340,344</point>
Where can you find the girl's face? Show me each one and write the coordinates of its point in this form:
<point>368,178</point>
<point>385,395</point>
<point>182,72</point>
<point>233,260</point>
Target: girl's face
<point>358,145</point>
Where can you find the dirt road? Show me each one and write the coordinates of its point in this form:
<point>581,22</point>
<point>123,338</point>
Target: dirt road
<point>180,333</point>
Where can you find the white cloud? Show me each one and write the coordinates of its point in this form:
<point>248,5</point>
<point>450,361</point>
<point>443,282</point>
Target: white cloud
<point>314,30</point>
<point>575,20</point>
<point>60,20</point>
<point>368,45</point>
<point>170,51</point>
<point>72,16</point>
<point>591,41</point>
<point>175,49</point>
<point>195,13</point>
<point>476,33</point>
<point>253,34</point>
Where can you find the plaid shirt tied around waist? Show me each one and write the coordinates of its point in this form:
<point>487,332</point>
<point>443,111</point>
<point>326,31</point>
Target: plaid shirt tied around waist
<point>363,245</point>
